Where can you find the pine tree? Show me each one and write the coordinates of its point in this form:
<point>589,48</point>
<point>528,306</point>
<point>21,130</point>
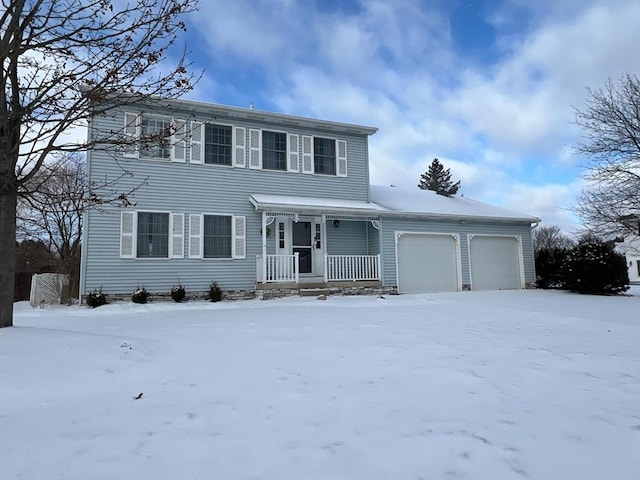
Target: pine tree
<point>438,179</point>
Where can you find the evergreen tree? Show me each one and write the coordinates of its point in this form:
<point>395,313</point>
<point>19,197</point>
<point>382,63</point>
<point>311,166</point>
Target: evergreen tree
<point>438,179</point>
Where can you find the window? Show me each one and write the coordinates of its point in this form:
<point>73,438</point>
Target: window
<point>153,235</point>
<point>217,146</point>
<point>217,236</point>
<point>638,265</point>
<point>156,135</point>
<point>274,150</point>
<point>324,158</point>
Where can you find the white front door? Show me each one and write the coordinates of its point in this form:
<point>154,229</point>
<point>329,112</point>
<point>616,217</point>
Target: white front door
<point>308,242</point>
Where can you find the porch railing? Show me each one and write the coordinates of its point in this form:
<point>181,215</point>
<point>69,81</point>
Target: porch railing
<point>351,267</point>
<point>279,268</point>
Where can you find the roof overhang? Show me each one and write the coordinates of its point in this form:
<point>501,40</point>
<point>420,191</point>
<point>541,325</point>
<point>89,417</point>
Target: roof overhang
<point>315,206</point>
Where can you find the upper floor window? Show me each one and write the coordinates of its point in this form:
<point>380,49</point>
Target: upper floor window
<point>156,134</point>
<point>217,144</point>
<point>324,155</point>
<point>274,150</point>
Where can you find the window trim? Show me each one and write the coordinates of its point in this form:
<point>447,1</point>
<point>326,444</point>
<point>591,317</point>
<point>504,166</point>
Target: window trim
<point>235,255</point>
<point>141,116</point>
<point>208,214</point>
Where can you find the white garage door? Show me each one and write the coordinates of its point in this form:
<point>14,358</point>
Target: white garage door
<point>427,263</point>
<point>495,263</point>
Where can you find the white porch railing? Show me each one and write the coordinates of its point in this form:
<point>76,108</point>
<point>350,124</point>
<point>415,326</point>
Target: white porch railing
<point>351,267</point>
<point>279,268</point>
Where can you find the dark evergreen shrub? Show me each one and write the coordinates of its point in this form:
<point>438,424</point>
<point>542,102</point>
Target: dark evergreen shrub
<point>549,267</point>
<point>178,293</point>
<point>140,296</point>
<point>215,293</point>
<point>96,299</point>
<point>595,267</point>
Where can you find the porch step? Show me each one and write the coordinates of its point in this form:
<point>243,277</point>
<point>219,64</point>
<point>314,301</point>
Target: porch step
<point>313,292</point>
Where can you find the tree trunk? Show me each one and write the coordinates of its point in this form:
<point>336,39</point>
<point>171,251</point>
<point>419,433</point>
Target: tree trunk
<point>8,199</point>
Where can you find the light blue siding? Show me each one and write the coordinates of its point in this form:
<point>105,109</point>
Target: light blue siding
<point>391,225</point>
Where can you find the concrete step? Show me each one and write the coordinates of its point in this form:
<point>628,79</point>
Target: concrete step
<point>313,292</point>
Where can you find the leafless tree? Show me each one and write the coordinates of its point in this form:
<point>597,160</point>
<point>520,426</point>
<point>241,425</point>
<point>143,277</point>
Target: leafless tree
<point>63,62</point>
<point>610,203</point>
<point>549,237</point>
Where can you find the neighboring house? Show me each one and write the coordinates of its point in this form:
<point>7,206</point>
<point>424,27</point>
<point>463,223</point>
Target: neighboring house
<point>266,203</point>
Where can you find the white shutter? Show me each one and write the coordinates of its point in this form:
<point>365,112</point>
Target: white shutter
<point>341,158</point>
<point>294,153</point>
<point>195,236</point>
<point>179,142</point>
<point>177,235</point>
<point>239,149</point>
<point>255,148</point>
<point>197,136</point>
<point>307,154</point>
<point>131,135</point>
<point>239,237</point>
<point>127,234</point>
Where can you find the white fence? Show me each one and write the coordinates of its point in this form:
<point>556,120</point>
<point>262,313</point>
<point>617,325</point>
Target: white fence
<point>280,268</point>
<point>48,289</point>
<point>351,267</point>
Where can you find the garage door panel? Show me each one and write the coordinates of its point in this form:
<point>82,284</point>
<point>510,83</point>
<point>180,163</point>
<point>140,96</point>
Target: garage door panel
<point>427,263</point>
<point>495,263</point>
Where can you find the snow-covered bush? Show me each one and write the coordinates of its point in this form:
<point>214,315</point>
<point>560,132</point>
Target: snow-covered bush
<point>140,295</point>
<point>96,298</point>
<point>215,293</point>
<point>595,267</point>
<point>178,293</point>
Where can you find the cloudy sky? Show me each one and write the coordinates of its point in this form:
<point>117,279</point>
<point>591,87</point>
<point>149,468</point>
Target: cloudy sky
<point>486,86</point>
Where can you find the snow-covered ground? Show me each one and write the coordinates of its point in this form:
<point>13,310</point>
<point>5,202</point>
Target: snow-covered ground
<point>478,385</point>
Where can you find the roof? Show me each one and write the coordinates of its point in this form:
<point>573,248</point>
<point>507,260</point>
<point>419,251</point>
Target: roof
<point>299,204</point>
<point>392,201</point>
<point>426,203</point>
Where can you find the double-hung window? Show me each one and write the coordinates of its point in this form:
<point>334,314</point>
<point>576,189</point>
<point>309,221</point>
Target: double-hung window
<point>155,137</point>
<point>274,150</point>
<point>324,158</point>
<point>151,234</point>
<point>217,144</point>
<point>217,236</point>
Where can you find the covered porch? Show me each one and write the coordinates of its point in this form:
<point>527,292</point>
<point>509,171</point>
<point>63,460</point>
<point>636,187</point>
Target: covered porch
<point>313,241</point>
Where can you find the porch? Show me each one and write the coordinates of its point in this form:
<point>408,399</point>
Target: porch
<point>309,240</point>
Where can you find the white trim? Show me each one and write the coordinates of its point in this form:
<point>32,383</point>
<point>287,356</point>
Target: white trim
<point>179,141</point>
<point>135,236</point>
<point>307,154</point>
<point>235,236</point>
<point>176,236</point>
<point>286,150</point>
<point>131,234</point>
<point>293,155</point>
<point>518,239</point>
<point>196,142</point>
<point>195,233</point>
<point>397,235</point>
<point>341,160</point>
<point>141,137</point>
<point>131,132</point>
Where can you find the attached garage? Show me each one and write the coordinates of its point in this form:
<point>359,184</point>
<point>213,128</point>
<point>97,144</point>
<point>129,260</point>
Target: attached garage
<point>427,262</point>
<point>495,262</point>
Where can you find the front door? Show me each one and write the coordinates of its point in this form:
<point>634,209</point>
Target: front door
<point>306,236</point>
<point>302,245</point>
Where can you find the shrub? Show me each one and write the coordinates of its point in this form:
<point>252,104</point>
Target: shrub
<point>178,293</point>
<point>549,267</point>
<point>140,296</point>
<point>595,267</point>
<point>96,298</point>
<point>215,293</point>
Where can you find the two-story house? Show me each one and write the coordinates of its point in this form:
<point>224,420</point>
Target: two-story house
<point>265,203</point>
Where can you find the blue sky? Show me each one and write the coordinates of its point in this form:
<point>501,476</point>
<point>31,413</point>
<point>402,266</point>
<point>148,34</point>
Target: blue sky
<point>486,86</point>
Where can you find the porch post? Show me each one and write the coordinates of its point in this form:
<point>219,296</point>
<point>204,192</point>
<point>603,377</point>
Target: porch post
<point>264,247</point>
<point>326,246</point>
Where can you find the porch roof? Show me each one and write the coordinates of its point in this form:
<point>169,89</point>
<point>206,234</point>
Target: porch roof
<point>327,206</point>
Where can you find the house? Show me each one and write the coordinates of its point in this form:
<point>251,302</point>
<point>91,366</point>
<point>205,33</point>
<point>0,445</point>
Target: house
<point>266,204</point>
<point>630,247</point>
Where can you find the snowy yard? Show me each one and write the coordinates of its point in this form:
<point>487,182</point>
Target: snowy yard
<point>495,385</point>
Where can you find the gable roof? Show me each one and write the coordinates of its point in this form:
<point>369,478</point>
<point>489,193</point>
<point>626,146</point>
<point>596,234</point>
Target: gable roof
<point>428,204</point>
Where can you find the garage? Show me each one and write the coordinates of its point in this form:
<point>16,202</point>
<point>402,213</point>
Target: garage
<point>427,262</point>
<point>495,263</point>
